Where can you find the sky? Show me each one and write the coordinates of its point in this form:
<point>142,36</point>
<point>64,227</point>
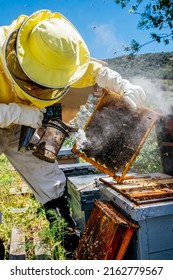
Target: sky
<point>104,26</point>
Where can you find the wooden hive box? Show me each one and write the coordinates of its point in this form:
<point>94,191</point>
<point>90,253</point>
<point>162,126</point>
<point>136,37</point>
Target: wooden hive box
<point>106,235</point>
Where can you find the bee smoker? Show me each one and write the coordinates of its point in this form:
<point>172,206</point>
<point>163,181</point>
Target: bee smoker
<point>52,137</point>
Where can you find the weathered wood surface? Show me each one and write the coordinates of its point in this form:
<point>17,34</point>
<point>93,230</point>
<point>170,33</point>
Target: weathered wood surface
<point>42,251</point>
<point>17,245</point>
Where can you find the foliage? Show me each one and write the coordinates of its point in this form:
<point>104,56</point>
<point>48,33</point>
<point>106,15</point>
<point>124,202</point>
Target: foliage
<point>30,221</point>
<point>155,15</point>
<point>151,65</point>
<point>54,236</point>
<point>148,159</point>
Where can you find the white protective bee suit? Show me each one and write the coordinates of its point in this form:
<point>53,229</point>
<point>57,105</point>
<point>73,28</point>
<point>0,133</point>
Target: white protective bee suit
<point>56,64</point>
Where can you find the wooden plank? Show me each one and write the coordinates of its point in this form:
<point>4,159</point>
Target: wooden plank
<point>152,193</point>
<point>124,244</point>
<point>25,189</point>
<point>17,245</point>
<point>170,144</point>
<point>18,210</point>
<point>42,252</point>
<point>13,191</point>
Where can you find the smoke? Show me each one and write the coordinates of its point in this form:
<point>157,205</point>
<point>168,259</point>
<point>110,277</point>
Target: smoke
<point>81,138</point>
<point>157,99</point>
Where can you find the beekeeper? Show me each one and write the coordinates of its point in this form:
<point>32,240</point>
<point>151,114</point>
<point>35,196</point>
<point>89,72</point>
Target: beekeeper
<point>42,56</point>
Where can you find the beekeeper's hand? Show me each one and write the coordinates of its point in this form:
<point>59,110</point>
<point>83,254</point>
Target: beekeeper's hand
<point>21,114</point>
<point>134,95</point>
<point>111,80</point>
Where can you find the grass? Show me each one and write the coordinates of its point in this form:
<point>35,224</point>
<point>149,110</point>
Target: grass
<point>31,221</point>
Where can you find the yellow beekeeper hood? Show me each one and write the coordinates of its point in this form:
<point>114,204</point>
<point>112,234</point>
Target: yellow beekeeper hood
<point>45,56</point>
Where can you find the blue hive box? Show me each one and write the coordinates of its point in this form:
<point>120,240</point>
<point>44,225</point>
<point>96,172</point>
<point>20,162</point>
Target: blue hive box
<point>82,202</point>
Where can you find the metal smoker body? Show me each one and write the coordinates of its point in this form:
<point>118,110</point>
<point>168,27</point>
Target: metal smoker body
<point>52,136</point>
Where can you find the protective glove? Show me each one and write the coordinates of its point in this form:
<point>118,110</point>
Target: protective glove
<point>21,114</point>
<point>30,116</point>
<point>134,95</point>
<point>111,80</point>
